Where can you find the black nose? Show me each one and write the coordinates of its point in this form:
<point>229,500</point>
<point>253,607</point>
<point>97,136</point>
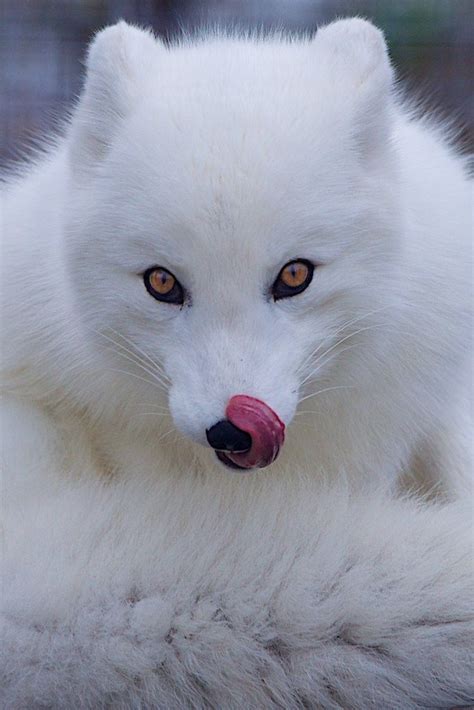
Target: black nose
<point>224,436</point>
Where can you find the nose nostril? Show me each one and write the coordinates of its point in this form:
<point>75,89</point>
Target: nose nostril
<point>224,436</point>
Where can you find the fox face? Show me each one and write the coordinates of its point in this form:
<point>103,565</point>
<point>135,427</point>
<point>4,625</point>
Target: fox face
<point>232,234</point>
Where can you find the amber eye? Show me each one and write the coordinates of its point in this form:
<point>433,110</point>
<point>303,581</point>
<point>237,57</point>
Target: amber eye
<point>294,278</point>
<point>163,286</point>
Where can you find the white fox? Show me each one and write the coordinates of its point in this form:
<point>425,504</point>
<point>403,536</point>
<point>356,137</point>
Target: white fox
<point>236,322</point>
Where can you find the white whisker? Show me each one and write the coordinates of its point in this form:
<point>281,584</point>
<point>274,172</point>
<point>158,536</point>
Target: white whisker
<point>138,377</point>
<point>326,389</point>
<point>321,362</point>
<point>155,414</point>
<point>341,341</point>
<point>167,433</point>
<point>148,357</point>
<point>341,328</point>
<point>136,360</point>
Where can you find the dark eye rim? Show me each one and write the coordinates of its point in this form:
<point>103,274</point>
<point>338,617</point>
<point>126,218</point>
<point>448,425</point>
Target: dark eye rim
<point>174,297</point>
<point>281,290</point>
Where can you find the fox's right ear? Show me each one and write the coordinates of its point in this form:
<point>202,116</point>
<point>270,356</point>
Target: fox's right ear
<point>118,60</point>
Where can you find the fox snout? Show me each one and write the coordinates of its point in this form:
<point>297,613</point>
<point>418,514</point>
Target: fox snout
<point>251,435</point>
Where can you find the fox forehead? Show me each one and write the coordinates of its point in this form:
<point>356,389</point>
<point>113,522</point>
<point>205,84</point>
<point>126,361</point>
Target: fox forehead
<point>216,191</point>
<point>196,144</point>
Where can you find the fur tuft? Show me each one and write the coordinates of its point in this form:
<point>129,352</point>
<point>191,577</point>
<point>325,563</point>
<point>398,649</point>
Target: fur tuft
<point>373,610</point>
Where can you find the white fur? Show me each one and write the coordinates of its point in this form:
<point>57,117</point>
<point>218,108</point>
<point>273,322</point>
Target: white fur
<point>191,595</point>
<point>140,572</point>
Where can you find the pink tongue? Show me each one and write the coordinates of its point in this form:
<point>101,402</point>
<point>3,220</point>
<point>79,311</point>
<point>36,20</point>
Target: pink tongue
<point>262,424</point>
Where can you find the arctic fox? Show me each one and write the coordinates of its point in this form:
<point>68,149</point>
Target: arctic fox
<point>236,318</point>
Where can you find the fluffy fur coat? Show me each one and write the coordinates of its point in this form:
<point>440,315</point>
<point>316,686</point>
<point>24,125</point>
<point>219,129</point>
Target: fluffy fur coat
<point>138,572</point>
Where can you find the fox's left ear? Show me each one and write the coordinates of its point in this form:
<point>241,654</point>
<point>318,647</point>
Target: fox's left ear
<point>355,56</point>
<point>119,59</point>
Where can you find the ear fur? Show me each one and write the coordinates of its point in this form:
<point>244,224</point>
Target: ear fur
<point>117,60</point>
<point>355,54</point>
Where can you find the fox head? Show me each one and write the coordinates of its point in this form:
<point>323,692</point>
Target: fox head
<point>231,238</point>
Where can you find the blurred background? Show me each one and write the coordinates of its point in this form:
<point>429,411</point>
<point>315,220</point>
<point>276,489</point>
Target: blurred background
<point>42,43</point>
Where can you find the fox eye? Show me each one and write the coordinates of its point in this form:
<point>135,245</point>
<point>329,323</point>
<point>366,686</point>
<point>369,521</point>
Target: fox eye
<point>162,285</point>
<point>294,278</point>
